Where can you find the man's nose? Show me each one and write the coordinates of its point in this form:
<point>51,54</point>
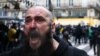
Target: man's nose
<point>33,24</point>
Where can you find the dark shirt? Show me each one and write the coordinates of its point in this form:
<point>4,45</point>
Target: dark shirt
<point>63,50</point>
<point>67,50</point>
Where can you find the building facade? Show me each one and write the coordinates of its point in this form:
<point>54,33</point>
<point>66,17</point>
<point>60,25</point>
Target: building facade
<point>60,8</point>
<point>77,8</point>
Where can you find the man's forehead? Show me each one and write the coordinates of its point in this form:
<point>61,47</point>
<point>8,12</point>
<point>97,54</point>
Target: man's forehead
<point>36,11</point>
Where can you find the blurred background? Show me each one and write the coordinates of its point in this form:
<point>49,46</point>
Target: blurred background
<point>77,17</point>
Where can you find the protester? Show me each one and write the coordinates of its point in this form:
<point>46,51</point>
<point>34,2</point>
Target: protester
<point>39,40</point>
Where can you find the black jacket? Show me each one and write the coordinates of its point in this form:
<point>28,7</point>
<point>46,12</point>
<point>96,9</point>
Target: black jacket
<point>63,50</point>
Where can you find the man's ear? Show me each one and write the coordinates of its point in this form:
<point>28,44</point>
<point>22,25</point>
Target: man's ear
<point>53,27</point>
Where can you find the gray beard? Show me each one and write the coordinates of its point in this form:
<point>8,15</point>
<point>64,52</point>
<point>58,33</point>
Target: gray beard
<point>45,50</point>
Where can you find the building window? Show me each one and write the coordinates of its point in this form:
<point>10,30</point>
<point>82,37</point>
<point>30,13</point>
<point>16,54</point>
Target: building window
<point>0,12</point>
<point>79,13</point>
<point>70,2</point>
<point>71,13</point>
<point>58,3</point>
<point>5,13</point>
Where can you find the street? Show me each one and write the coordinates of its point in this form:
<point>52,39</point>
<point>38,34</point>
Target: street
<point>84,47</point>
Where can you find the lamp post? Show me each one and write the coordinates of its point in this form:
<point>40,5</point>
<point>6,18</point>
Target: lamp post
<point>50,6</point>
<point>51,9</point>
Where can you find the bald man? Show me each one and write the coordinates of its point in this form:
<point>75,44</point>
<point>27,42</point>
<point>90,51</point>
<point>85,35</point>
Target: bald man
<point>39,37</point>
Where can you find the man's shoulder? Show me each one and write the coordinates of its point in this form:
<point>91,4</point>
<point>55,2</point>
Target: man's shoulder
<point>7,53</point>
<point>72,51</point>
<point>14,52</point>
<point>66,50</point>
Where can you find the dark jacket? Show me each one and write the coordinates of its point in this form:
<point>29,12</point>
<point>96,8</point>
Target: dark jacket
<point>63,50</point>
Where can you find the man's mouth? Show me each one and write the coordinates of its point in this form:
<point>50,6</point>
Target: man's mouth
<point>33,34</point>
<point>34,40</point>
<point>34,43</point>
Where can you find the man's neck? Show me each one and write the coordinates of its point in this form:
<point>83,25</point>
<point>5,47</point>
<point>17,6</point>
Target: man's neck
<point>55,44</point>
<point>50,48</point>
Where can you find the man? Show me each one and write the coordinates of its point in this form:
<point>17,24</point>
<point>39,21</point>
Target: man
<point>39,40</point>
<point>3,36</point>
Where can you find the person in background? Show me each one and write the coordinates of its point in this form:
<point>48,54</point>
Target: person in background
<point>12,37</point>
<point>3,36</point>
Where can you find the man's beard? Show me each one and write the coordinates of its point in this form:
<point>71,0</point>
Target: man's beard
<point>46,46</point>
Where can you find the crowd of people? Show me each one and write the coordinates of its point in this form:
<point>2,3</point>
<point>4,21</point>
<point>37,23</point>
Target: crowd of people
<point>9,36</point>
<point>81,34</point>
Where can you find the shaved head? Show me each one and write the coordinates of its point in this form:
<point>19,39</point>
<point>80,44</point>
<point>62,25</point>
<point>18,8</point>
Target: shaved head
<point>39,29</point>
<point>40,10</point>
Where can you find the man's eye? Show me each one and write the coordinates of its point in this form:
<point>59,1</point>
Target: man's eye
<point>39,19</point>
<point>28,19</point>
